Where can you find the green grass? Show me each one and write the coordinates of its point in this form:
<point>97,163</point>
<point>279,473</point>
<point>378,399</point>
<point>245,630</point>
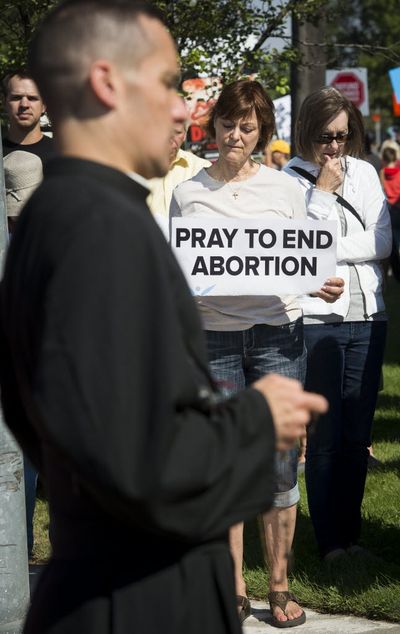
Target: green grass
<point>41,550</point>
<point>364,588</point>
<point>369,588</point>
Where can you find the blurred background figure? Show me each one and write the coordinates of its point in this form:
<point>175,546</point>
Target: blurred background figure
<point>392,144</point>
<point>369,154</point>
<point>277,154</point>
<point>390,179</point>
<point>183,165</point>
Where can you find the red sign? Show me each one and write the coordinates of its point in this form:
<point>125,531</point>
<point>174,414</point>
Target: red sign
<point>396,106</point>
<point>196,133</point>
<point>350,86</point>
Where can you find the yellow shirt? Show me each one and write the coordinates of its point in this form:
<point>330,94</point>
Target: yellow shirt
<point>185,166</point>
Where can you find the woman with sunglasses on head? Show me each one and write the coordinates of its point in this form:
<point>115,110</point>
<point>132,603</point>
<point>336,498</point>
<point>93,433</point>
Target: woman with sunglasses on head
<point>249,336</point>
<point>345,341</point>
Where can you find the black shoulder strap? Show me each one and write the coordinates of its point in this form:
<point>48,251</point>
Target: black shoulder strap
<point>304,173</point>
<point>342,201</point>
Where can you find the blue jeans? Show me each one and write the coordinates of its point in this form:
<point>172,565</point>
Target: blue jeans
<point>344,364</point>
<point>238,358</point>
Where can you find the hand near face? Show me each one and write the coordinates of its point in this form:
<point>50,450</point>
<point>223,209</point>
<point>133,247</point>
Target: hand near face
<point>330,176</point>
<point>291,407</point>
<point>331,290</point>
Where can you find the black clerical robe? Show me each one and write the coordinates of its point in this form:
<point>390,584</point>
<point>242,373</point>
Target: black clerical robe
<point>105,385</point>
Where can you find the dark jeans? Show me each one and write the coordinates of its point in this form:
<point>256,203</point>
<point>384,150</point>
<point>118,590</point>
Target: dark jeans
<point>238,358</point>
<point>344,364</point>
<point>30,477</point>
<point>395,219</point>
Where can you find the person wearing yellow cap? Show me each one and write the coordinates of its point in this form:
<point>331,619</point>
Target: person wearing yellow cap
<point>277,154</point>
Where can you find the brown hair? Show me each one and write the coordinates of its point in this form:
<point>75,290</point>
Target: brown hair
<point>238,100</point>
<point>21,73</point>
<point>316,112</point>
<point>389,155</point>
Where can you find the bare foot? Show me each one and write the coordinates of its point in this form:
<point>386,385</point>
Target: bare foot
<point>293,611</point>
<point>284,607</point>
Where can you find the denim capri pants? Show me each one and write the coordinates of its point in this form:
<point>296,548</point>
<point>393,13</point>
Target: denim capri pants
<point>238,358</point>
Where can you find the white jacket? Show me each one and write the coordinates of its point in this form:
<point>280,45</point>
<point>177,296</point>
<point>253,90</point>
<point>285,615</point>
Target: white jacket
<point>363,248</point>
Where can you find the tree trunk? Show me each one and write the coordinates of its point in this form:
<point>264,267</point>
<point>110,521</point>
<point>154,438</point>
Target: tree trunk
<point>309,74</point>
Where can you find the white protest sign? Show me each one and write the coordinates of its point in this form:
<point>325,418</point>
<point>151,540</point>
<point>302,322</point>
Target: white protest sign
<point>232,256</point>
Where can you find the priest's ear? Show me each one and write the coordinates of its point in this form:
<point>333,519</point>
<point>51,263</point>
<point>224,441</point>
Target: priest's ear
<point>105,81</point>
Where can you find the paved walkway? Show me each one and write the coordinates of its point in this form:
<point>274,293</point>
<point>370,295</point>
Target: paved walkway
<point>260,620</point>
<point>260,623</point>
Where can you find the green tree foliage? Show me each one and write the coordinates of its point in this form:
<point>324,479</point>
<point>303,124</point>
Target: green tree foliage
<point>369,36</point>
<point>18,20</point>
<point>227,38</point>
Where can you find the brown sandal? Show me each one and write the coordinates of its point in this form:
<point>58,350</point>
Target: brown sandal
<point>280,600</point>
<point>243,605</point>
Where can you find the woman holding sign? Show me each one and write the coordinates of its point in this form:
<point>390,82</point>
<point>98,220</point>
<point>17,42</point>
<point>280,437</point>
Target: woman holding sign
<point>249,336</point>
<point>345,342</point>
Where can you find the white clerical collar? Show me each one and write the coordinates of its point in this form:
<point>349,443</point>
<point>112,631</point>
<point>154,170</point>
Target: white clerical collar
<point>139,179</point>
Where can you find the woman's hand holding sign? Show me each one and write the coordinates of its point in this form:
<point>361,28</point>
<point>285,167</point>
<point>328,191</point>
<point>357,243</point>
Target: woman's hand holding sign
<point>331,290</point>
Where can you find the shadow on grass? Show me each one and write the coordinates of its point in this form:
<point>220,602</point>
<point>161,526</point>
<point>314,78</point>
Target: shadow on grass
<point>386,430</point>
<point>392,301</point>
<point>387,466</point>
<point>350,575</point>
<point>392,351</point>
<point>388,426</point>
<point>388,401</point>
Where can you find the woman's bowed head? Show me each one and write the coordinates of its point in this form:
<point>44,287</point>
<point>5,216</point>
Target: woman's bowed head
<point>243,100</point>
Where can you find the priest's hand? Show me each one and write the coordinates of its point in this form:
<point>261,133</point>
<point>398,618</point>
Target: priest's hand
<point>291,407</point>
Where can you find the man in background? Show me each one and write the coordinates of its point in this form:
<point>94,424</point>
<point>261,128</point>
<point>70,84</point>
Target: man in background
<point>183,165</point>
<point>25,107</point>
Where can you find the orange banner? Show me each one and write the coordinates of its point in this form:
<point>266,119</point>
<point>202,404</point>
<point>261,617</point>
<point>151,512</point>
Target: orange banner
<point>396,106</point>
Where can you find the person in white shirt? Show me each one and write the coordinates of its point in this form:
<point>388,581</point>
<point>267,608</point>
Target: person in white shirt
<point>345,341</point>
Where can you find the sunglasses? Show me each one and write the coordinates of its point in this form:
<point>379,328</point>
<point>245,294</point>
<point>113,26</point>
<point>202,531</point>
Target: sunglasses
<point>327,139</point>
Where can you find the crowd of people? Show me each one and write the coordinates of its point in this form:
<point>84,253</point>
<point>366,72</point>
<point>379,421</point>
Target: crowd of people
<point>160,424</point>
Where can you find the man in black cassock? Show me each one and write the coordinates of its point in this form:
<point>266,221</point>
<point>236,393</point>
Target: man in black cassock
<point>103,368</point>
